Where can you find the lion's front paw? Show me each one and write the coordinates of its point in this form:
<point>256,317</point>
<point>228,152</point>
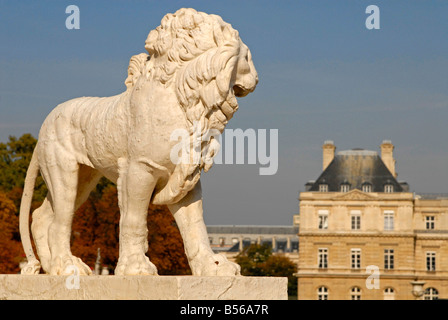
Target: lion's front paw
<point>68,265</point>
<point>215,265</point>
<point>135,264</point>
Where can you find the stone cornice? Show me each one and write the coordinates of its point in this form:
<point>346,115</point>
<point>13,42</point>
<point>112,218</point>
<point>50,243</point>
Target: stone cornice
<point>441,235</point>
<point>357,234</point>
<point>356,195</point>
<point>361,275</point>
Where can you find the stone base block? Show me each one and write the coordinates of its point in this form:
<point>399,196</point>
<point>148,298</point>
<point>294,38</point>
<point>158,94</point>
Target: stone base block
<point>46,287</point>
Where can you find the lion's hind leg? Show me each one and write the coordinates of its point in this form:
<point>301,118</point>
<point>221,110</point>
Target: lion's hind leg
<point>68,185</point>
<point>43,216</point>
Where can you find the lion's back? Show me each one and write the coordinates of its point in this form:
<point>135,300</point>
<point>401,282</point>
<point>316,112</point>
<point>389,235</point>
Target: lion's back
<point>77,113</point>
<point>69,125</point>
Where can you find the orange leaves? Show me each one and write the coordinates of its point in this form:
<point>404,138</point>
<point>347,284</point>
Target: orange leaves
<point>11,252</point>
<point>96,225</point>
<point>166,248</point>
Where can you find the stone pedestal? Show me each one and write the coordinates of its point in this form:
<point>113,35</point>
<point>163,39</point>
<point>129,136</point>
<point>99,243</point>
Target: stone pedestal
<point>45,287</point>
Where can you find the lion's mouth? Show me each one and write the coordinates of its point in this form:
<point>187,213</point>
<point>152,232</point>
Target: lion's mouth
<point>245,85</point>
<point>241,91</point>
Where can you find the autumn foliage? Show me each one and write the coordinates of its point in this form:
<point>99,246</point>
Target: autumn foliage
<point>10,247</point>
<point>95,225</point>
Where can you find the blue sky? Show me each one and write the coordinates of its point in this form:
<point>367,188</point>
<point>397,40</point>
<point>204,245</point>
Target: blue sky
<point>323,75</point>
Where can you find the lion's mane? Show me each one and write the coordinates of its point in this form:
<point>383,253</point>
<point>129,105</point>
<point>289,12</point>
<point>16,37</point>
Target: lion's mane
<point>195,53</point>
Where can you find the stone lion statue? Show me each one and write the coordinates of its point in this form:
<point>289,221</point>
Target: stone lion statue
<point>196,67</point>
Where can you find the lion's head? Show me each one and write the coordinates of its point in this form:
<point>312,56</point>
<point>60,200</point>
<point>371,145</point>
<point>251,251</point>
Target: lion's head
<point>206,61</point>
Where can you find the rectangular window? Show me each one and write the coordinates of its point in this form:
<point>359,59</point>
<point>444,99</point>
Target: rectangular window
<point>345,187</point>
<point>429,222</point>
<point>355,217</point>
<point>430,261</point>
<point>356,258</point>
<point>388,220</point>
<point>323,258</point>
<point>323,219</point>
<point>388,188</point>
<point>323,188</point>
<point>388,259</point>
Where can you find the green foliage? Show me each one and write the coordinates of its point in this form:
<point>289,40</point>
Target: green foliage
<point>258,260</point>
<point>15,157</point>
<point>252,258</point>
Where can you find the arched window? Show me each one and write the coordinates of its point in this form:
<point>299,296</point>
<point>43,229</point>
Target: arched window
<point>322,293</point>
<point>431,294</point>
<point>389,294</point>
<point>355,293</point>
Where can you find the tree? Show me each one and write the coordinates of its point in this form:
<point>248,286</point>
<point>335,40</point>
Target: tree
<point>11,252</point>
<point>258,260</point>
<point>166,248</point>
<point>15,157</point>
<point>252,258</point>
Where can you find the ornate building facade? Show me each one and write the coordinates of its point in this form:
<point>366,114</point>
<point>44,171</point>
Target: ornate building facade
<point>363,235</point>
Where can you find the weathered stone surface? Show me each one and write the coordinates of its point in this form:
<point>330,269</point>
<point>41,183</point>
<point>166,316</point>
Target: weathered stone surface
<point>47,287</point>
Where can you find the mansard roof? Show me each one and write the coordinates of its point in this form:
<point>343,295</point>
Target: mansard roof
<point>357,167</point>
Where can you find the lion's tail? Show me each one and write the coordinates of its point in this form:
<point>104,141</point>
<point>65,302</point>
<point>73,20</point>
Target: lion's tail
<point>33,265</point>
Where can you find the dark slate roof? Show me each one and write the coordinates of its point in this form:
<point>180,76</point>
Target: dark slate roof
<point>357,167</point>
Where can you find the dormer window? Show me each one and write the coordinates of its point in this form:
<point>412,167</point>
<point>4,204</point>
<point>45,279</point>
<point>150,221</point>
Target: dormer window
<point>323,185</point>
<point>388,187</point>
<point>366,187</point>
<point>345,186</point>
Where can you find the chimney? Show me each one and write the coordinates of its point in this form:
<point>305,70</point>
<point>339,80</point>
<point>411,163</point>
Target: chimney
<point>387,155</point>
<point>328,153</point>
